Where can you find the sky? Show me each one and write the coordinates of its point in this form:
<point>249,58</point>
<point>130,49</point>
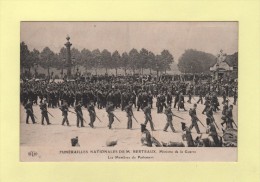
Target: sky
<point>209,37</point>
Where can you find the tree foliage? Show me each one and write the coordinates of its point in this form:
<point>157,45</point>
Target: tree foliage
<point>193,61</point>
<point>134,59</point>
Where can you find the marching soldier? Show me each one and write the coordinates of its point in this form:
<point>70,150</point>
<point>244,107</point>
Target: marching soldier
<point>129,114</point>
<point>110,114</point>
<point>169,99</point>
<point>224,112</point>
<point>190,95</point>
<point>176,99</point>
<point>181,102</point>
<point>44,112</point>
<point>64,108</point>
<point>92,114</point>
<point>211,130</point>
<point>194,119</point>
<point>29,112</point>
<point>148,116</point>
<point>209,114</point>
<point>229,117</point>
<point>79,113</point>
<point>169,114</point>
<point>200,97</point>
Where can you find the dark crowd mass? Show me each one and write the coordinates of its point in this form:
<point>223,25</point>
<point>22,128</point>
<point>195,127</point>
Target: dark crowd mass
<point>106,92</point>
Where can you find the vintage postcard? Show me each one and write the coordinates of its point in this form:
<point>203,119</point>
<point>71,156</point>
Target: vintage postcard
<point>128,91</point>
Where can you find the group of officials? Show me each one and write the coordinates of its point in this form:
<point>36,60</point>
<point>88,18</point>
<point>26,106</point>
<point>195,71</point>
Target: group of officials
<point>125,93</point>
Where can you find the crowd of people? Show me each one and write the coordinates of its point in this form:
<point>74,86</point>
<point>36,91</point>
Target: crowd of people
<point>125,92</point>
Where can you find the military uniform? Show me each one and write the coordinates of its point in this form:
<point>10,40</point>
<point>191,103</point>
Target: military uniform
<point>129,114</point>
<point>200,98</point>
<point>29,112</point>
<point>64,108</point>
<point>194,119</point>
<point>181,102</point>
<point>79,113</point>
<point>110,114</point>
<point>229,118</point>
<point>92,114</point>
<point>148,117</point>
<point>169,115</point>
<point>43,107</point>
<point>211,130</point>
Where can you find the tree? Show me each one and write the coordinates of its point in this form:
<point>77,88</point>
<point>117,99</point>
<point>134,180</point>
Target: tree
<point>143,60</point>
<point>151,61</point>
<point>193,61</point>
<point>125,61</point>
<point>35,58</point>
<point>166,60</point>
<point>96,58</point>
<point>86,59</point>
<point>116,59</point>
<point>133,58</point>
<point>47,58</point>
<point>106,59</point>
<point>24,56</point>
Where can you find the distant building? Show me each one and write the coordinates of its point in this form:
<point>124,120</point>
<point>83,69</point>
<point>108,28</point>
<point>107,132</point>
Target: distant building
<point>224,67</point>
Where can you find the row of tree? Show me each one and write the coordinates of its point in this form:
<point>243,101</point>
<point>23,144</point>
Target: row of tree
<point>134,59</point>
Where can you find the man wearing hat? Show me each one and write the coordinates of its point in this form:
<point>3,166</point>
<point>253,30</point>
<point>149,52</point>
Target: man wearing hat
<point>129,114</point>
<point>224,112</point>
<point>146,136</point>
<point>169,114</point>
<point>181,102</point>
<point>110,114</point>
<point>194,119</point>
<point>29,112</point>
<point>44,112</point>
<point>79,113</point>
<point>148,116</point>
<point>92,114</point>
<point>64,108</point>
<point>187,135</point>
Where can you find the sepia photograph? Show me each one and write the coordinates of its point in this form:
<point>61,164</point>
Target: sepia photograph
<point>128,91</point>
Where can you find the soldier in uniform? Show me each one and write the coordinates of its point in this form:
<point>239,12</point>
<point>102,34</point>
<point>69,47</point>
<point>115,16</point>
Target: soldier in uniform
<point>168,112</point>
<point>79,113</point>
<point>139,100</point>
<point>181,102</point>
<point>29,112</point>
<point>176,99</point>
<point>44,112</point>
<point>92,114</point>
<point>148,116</point>
<point>187,135</point>
<point>190,95</point>
<point>129,114</point>
<point>110,114</point>
<point>211,130</point>
<point>209,114</point>
<point>200,97</point>
<point>229,117</point>
<point>146,136</point>
<point>194,119</point>
<point>224,111</point>
<point>64,108</point>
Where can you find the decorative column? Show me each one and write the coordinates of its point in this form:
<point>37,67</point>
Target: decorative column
<point>68,57</point>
